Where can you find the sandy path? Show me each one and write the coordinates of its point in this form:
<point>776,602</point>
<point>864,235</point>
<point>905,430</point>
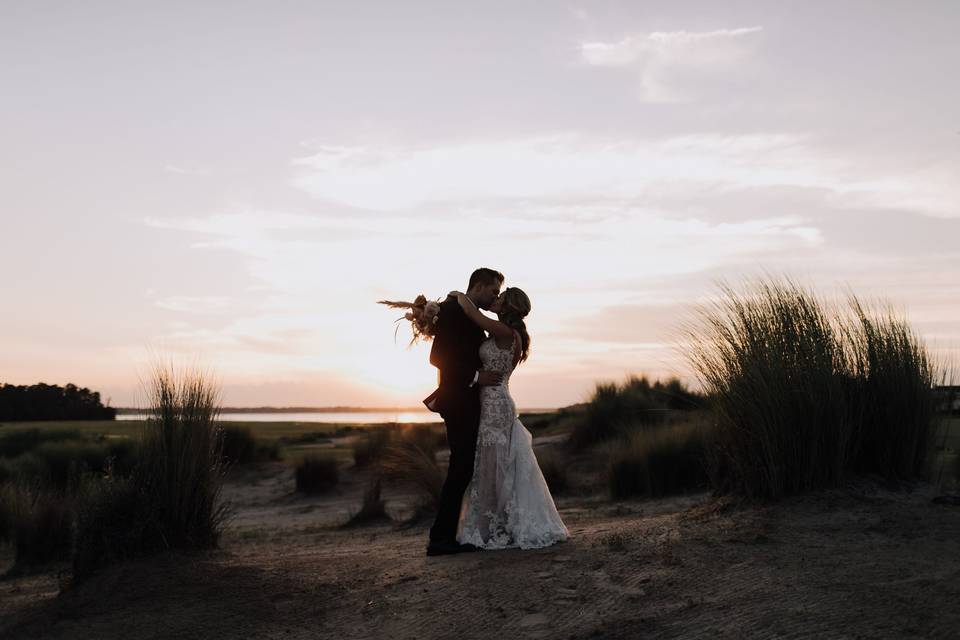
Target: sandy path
<point>855,564</point>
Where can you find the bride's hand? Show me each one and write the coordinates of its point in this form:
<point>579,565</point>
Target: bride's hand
<point>465,302</point>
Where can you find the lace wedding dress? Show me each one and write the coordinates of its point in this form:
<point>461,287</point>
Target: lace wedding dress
<point>507,503</point>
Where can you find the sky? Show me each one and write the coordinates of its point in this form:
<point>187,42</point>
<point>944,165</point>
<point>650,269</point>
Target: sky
<point>234,184</point>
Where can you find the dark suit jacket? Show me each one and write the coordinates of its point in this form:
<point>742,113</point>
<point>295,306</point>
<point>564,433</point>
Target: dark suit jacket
<point>456,355</point>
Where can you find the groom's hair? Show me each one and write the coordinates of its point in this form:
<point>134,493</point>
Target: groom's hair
<point>484,276</point>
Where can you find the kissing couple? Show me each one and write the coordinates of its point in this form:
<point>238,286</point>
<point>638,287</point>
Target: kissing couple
<point>494,495</point>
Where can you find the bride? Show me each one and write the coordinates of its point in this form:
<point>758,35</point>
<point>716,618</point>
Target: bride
<point>508,503</point>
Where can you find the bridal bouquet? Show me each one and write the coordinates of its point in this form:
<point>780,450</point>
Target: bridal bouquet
<point>423,315</point>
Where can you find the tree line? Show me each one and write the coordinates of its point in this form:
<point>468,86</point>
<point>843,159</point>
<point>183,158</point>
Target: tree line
<point>52,402</point>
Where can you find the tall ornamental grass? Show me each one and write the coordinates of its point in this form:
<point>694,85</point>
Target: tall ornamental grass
<point>171,500</point>
<point>896,406</point>
<point>803,396</point>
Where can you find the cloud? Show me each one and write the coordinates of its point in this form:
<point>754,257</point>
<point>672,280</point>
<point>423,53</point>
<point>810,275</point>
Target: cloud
<point>186,171</point>
<point>195,304</point>
<point>665,59</point>
<point>567,166</point>
<point>559,166</point>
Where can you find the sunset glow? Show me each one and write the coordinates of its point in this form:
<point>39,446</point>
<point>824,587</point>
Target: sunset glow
<point>238,185</point>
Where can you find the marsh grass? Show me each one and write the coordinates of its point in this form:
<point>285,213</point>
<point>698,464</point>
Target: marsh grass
<point>369,447</point>
<point>372,509</point>
<point>238,445</point>
<point>316,474</point>
<point>554,466</point>
<point>172,497</point>
<point>661,462</point>
<point>803,396</point>
<point>407,459</point>
<point>36,521</point>
<point>18,441</point>
<point>614,409</point>
<point>893,380</point>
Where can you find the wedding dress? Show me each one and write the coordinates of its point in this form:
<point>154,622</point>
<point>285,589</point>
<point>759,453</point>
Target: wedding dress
<point>507,503</point>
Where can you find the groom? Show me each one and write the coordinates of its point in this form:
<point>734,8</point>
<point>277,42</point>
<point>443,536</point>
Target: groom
<point>456,355</point>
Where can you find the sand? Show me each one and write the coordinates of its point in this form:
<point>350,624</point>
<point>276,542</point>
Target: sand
<point>864,562</point>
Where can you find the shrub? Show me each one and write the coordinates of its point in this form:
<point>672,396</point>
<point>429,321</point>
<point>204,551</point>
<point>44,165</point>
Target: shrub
<point>317,474</point>
<point>426,437</point>
<point>238,445</point>
<point>660,462</point>
<point>172,497</point>
<point>554,469</point>
<point>370,447</point>
<point>65,462</point>
<point>115,522</point>
<point>29,469</point>
<point>37,522</point>
<point>614,409</point>
<point>406,460</point>
<point>20,441</point>
<point>802,397</point>
<point>122,456</point>
<point>268,450</point>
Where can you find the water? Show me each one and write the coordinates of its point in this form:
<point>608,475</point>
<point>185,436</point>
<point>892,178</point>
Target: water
<point>365,417</point>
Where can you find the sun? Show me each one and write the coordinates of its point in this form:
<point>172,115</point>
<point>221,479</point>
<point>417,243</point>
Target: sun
<point>401,373</point>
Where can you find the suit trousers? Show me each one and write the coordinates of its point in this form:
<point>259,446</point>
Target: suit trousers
<point>462,426</point>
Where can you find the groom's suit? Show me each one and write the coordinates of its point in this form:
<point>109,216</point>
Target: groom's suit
<point>456,355</point>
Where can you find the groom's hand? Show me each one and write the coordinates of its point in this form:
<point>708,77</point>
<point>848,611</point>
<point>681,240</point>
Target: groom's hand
<point>489,378</point>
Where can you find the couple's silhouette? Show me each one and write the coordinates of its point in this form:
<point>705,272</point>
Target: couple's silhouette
<point>494,495</point>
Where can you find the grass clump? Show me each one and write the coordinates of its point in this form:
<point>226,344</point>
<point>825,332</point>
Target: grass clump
<point>554,469</point>
<point>316,474</point>
<point>19,441</point>
<point>37,522</point>
<point>240,446</point>
<point>171,499</point>
<point>373,509</point>
<point>408,460</point>
<point>892,380</point>
<point>615,409</point>
<point>803,396</point>
<point>659,462</point>
<point>370,447</point>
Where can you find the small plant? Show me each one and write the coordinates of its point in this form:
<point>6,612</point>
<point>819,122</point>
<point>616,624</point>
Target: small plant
<point>373,508</point>
<point>370,447</point>
<point>238,445</point>
<point>554,470</point>
<point>661,462</point>
<point>37,522</point>
<point>316,474</point>
<point>405,460</point>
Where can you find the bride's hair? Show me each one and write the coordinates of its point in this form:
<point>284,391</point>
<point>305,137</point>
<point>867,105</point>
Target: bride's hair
<point>516,306</point>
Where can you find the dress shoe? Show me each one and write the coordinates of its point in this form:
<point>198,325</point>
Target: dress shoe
<point>448,547</point>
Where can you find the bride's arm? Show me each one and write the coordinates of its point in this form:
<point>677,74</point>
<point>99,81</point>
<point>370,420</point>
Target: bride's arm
<point>495,327</point>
